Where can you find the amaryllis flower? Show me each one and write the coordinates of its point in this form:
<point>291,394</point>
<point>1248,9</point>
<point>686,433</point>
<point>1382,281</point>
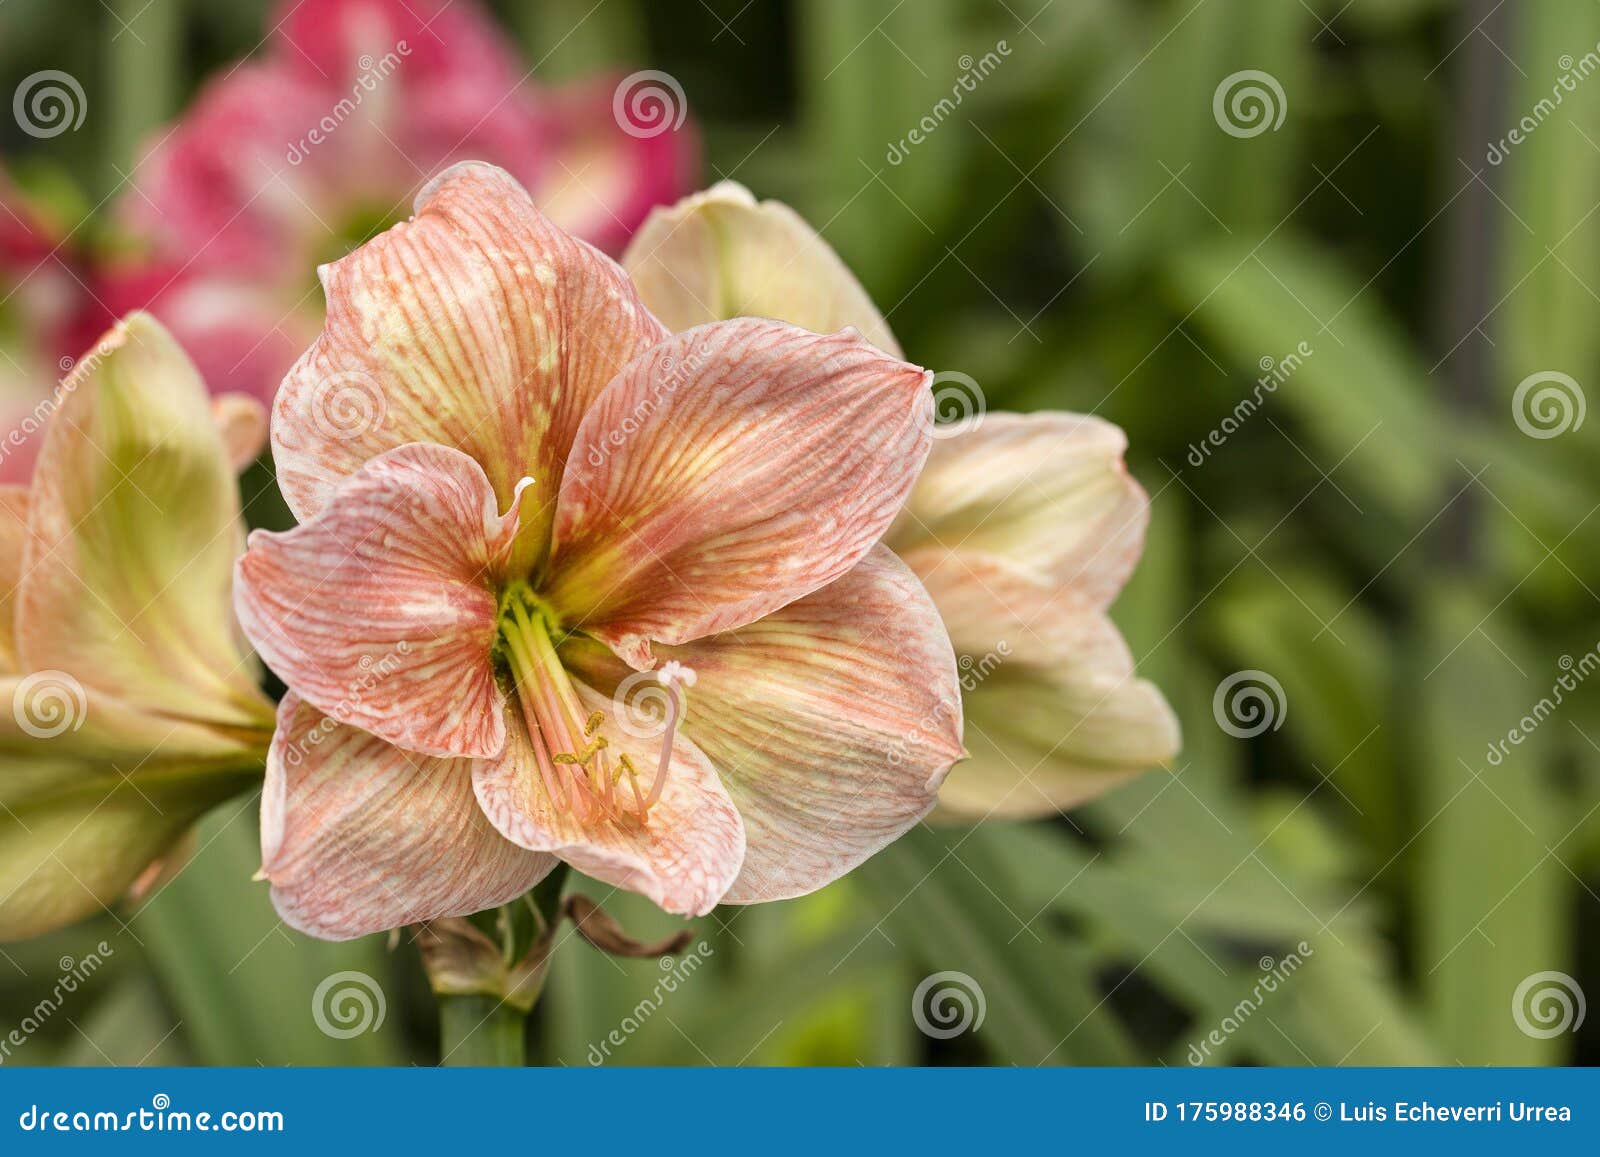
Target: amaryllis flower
<point>294,158</point>
<point>130,706</point>
<point>1024,527</point>
<point>554,507</point>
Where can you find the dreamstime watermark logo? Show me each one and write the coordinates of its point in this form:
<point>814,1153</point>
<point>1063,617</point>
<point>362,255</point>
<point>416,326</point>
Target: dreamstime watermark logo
<point>49,703</point>
<point>1574,672</point>
<point>974,670</point>
<point>1274,372</point>
<point>348,405</point>
<point>928,731</point>
<point>973,73</point>
<point>1273,974</point>
<point>1547,1004</point>
<point>374,670</point>
<point>1572,72</point>
<point>675,970</point>
<point>35,420</point>
<point>642,704</point>
<point>372,72</point>
<point>947,1004</point>
<point>49,103</point>
<point>75,971</point>
<point>1248,703</point>
<point>648,103</point>
<point>1248,103</point>
<point>160,1117</point>
<point>669,374</point>
<point>1547,404</point>
<point>958,403</point>
<point>347,1004</point>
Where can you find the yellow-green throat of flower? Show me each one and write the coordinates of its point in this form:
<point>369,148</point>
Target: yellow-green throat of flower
<point>582,774</point>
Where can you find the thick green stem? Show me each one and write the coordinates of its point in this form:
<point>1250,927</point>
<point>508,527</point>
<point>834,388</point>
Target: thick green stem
<point>479,1031</point>
<point>488,971</point>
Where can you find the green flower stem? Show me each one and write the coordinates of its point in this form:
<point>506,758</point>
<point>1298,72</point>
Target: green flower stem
<point>488,1027</point>
<point>478,1031</point>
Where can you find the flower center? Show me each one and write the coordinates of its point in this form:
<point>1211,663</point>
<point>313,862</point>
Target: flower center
<point>581,774</point>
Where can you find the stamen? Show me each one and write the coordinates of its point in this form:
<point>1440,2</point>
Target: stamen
<point>552,709</point>
<point>573,756</point>
<point>625,767</point>
<point>582,758</point>
<point>574,762</point>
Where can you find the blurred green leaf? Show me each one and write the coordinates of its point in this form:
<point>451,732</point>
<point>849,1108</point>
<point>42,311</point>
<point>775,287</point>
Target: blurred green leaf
<point>1490,897</point>
<point>949,896</point>
<point>248,989</point>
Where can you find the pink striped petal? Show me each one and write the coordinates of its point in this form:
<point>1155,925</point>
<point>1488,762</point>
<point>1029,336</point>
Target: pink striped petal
<point>358,836</point>
<point>477,325</point>
<point>1055,712</point>
<point>381,611</point>
<point>683,859</point>
<point>832,723</point>
<point>733,469</point>
<point>1048,491</point>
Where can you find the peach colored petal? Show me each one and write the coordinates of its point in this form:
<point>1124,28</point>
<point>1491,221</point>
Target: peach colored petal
<point>476,325</point>
<point>729,471</point>
<point>721,254</point>
<point>13,537</point>
<point>358,836</point>
<point>1047,490</point>
<point>380,611</point>
<point>134,526</point>
<point>1055,713</point>
<point>832,723</point>
<point>683,859</point>
<point>242,422</point>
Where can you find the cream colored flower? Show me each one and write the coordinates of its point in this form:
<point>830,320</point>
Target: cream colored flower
<point>128,703</point>
<point>1023,527</point>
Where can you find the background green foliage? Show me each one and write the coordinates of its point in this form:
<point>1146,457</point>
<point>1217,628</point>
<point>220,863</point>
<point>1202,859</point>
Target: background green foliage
<point>1380,537</point>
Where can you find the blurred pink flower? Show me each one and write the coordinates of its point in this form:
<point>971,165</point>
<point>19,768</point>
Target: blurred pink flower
<point>56,299</point>
<point>291,160</point>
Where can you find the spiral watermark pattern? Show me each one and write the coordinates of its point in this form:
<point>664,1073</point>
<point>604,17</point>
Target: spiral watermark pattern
<point>1548,404</point>
<point>1248,703</point>
<point>1248,103</point>
<point>347,1004</point>
<point>348,405</point>
<point>958,403</point>
<point>948,1004</point>
<point>1547,1004</point>
<point>641,704</point>
<point>49,103</point>
<point>49,703</point>
<point>648,103</point>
